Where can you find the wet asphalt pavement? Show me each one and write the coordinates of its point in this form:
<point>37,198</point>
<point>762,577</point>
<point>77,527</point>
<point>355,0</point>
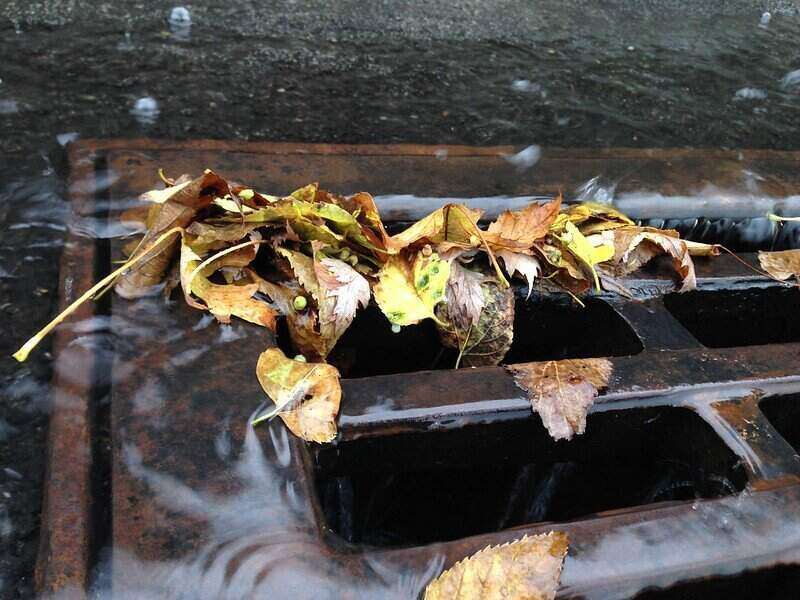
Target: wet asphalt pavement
<point>553,73</point>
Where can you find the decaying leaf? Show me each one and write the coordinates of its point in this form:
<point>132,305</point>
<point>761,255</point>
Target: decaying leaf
<point>525,569</point>
<point>464,295</point>
<point>561,391</point>
<point>306,395</point>
<point>407,294</point>
<point>486,341</point>
<point>781,265</point>
<point>343,290</point>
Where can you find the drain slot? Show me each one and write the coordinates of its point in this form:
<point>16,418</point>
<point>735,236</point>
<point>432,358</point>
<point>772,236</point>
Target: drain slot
<point>546,327</point>
<point>750,317</point>
<point>419,488</point>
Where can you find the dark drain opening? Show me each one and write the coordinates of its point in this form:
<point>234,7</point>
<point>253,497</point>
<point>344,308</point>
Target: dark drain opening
<point>784,414</point>
<point>546,327</point>
<point>420,488</point>
<point>739,318</point>
<point>776,583</point>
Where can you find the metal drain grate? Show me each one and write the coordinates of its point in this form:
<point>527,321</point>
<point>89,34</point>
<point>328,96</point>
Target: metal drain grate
<point>431,462</point>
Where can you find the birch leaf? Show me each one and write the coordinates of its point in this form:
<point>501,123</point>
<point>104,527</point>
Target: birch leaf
<point>781,265</point>
<point>582,249</point>
<point>408,294</point>
<point>306,395</point>
<point>561,391</point>
<point>453,223</point>
<point>527,266</point>
<point>525,569</point>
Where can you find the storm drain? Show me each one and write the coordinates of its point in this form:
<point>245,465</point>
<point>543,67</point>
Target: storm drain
<point>687,474</point>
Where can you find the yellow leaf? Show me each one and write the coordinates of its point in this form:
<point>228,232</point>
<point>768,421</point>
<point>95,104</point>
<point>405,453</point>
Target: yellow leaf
<point>305,395</point>
<point>408,294</point>
<point>584,251</point>
<point>453,223</point>
<point>525,569</point>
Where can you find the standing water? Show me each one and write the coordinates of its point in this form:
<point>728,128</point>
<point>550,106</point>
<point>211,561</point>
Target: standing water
<point>542,75</point>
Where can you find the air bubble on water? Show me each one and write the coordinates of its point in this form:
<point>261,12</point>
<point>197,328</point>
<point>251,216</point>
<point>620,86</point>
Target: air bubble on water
<point>526,86</point>
<point>395,328</point>
<point>441,154</point>
<point>525,159</point>
<point>765,19</point>
<point>145,110</point>
<point>748,93</point>
<point>791,80</point>
<point>8,107</point>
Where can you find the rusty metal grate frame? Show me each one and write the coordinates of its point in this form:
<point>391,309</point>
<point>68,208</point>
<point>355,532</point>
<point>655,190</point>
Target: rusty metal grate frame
<point>672,359</point>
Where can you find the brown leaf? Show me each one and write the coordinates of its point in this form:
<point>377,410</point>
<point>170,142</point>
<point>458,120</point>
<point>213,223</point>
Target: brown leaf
<point>178,209</point>
<point>306,395</point>
<point>523,226</point>
<point>781,265</point>
<point>562,391</point>
<point>635,246</point>
<point>454,224</point>
<point>525,569</point>
<point>464,295</point>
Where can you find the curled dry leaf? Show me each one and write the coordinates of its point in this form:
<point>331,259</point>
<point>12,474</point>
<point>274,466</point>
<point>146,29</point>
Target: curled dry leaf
<point>306,395</point>
<point>178,208</point>
<point>635,246</point>
<point>781,265</point>
<point>485,342</point>
<point>407,294</point>
<point>453,224</point>
<point>525,569</point>
<point>562,391</point>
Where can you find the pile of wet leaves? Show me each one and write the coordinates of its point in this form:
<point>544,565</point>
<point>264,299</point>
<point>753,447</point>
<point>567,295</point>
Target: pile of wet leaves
<point>314,258</point>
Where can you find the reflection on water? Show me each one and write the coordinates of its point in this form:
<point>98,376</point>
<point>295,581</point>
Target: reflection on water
<point>557,74</point>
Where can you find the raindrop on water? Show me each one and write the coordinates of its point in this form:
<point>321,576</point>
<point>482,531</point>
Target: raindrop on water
<point>791,80</point>
<point>748,93</point>
<point>146,110</point>
<point>524,85</point>
<point>765,19</point>
<point>526,158</point>
<point>180,22</point>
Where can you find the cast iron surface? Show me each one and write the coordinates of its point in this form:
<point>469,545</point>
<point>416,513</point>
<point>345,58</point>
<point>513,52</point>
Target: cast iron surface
<point>175,438</point>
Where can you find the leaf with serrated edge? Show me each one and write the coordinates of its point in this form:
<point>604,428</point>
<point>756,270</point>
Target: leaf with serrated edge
<point>343,290</point>
<point>306,395</point>
<point>524,226</point>
<point>561,391</point>
<point>525,569</point>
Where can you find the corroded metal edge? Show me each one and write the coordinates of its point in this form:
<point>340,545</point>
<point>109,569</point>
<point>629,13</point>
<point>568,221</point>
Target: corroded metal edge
<point>63,561</point>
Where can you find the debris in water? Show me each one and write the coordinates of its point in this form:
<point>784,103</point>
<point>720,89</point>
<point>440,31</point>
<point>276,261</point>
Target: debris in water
<point>525,569</point>
<point>314,258</point>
